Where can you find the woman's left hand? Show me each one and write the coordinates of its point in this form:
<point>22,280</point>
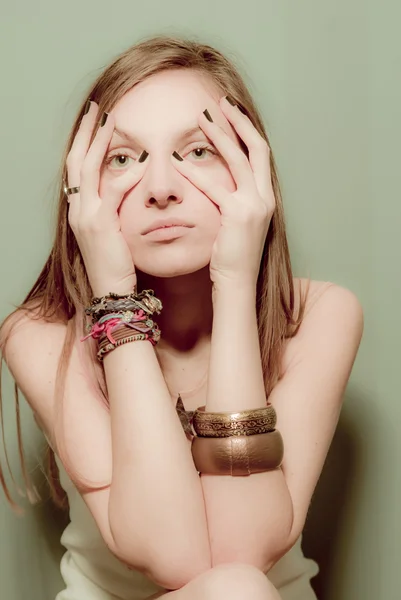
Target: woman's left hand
<point>245,213</point>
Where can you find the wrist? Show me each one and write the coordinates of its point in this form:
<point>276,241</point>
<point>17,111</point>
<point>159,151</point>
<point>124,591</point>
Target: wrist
<point>121,290</point>
<point>231,289</point>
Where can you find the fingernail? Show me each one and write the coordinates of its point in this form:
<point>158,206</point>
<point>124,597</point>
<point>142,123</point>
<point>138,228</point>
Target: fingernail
<point>104,119</point>
<point>87,107</point>
<point>177,156</point>
<point>143,156</point>
<point>231,101</point>
<point>207,115</point>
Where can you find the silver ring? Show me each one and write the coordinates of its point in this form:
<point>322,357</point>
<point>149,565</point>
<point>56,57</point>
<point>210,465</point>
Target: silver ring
<point>72,190</point>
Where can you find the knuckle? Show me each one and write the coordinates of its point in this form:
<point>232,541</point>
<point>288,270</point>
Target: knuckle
<point>263,145</point>
<point>70,163</point>
<point>72,173</point>
<point>262,212</point>
<point>72,158</point>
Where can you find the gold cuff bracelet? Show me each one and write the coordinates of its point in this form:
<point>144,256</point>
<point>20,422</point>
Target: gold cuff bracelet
<point>238,455</point>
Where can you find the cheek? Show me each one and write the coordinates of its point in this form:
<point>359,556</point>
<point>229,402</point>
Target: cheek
<point>207,230</point>
<point>130,221</point>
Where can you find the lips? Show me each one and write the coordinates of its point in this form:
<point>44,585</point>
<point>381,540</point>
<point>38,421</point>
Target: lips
<point>164,223</point>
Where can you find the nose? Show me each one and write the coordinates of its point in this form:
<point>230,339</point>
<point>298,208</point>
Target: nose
<point>162,182</point>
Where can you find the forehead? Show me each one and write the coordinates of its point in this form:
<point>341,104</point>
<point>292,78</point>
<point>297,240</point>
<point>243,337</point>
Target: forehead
<point>167,95</point>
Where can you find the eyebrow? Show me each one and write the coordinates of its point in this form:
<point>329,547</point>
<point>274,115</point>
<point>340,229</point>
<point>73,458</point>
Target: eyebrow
<point>187,133</point>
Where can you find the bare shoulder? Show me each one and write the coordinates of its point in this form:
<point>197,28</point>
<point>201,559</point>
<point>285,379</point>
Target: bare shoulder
<point>327,289</point>
<point>23,325</point>
<point>313,290</point>
<point>326,304</point>
<point>23,329</point>
<point>32,352</point>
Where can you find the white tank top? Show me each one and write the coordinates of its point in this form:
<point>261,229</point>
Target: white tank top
<point>91,572</point>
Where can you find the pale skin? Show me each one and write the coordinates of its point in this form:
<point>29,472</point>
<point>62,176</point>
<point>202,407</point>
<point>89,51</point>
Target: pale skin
<point>196,297</point>
<point>231,581</point>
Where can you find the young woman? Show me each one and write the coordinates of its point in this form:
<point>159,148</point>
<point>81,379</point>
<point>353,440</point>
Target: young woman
<point>169,289</point>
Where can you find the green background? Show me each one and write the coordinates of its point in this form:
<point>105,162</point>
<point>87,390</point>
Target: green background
<point>326,77</point>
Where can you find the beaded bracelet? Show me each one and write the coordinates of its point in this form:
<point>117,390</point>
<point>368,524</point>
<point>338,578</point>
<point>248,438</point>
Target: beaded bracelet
<point>145,300</point>
<point>112,313</point>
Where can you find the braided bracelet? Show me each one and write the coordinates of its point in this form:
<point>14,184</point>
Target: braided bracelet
<point>109,322</point>
<point>145,300</point>
<point>119,313</point>
<point>124,330</point>
<point>153,339</point>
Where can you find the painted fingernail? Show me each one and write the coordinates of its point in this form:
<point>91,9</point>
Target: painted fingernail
<point>230,101</point>
<point>177,156</point>
<point>87,107</point>
<point>143,156</point>
<point>207,115</point>
<point>104,119</point>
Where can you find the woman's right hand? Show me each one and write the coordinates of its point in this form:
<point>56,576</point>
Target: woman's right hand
<point>95,221</point>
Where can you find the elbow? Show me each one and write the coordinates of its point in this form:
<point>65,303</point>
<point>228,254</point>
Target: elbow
<point>172,570</point>
<point>271,557</point>
<point>135,559</point>
<point>263,553</point>
<point>269,560</point>
<point>174,575</point>
<point>161,566</point>
<point>169,558</point>
<point>155,571</point>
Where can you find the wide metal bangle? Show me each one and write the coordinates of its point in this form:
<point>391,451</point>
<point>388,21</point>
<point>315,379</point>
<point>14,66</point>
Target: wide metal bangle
<point>225,424</point>
<point>238,455</point>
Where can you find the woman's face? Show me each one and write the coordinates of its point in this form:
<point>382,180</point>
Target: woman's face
<point>155,114</point>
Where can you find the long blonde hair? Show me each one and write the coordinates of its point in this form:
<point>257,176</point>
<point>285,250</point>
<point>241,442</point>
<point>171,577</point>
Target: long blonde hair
<point>62,288</point>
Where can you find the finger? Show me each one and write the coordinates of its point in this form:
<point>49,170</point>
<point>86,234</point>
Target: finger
<point>121,186</point>
<point>76,156</point>
<point>259,151</point>
<point>232,154</point>
<point>214,191</point>
<point>90,169</point>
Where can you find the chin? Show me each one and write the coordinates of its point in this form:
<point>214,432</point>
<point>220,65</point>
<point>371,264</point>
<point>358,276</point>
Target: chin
<point>172,268</point>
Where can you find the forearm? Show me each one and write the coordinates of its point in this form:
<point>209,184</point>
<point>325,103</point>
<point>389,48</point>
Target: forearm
<point>156,500</point>
<point>249,518</point>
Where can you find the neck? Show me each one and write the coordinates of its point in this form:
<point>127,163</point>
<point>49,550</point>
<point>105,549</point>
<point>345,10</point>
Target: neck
<point>187,315</point>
